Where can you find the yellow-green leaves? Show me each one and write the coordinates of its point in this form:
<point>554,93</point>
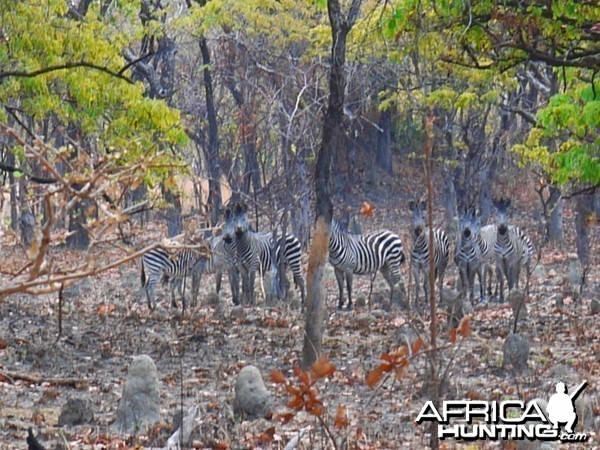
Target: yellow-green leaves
<point>80,79</point>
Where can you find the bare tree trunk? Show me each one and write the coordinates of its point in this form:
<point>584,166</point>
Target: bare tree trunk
<point>340,27</point>
<point>214,168</point>
<point>173,212</point>
<point>583,220</point>
<point>555,221</point>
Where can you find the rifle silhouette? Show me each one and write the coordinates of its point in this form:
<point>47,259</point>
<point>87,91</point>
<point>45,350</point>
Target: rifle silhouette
<point>578,390</point>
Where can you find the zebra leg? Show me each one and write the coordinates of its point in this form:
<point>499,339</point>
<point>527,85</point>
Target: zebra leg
<point>471,276</point>
<point>339,276</point>
<point>251,282</point>
<point>149,288</point>
<point>245,285</point>
<point>441,283</point>
<point>234,283</point>
<point>299,282</point>
<point>387,275</point>
<point>195,288</point>
<point>481,282</point>
<point>349,288</point>
<point>218,280</point>
<point>417,277</point>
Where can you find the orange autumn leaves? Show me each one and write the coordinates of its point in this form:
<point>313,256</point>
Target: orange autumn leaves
<point>398,360</point>
<point>303,393</point>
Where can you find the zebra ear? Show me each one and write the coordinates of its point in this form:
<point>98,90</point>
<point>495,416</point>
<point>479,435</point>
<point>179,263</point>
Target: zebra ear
<point>227,214</point>
<point>412,205</point>
<point>423,206</point>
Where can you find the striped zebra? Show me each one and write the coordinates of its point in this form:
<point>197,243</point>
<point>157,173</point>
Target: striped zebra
<point>512,249</point>
<point>420,251</point>
<point>159,264</point>
<point>467,254</point>
<point>362,254</point>
<point>486,238</point>
<point>222,258</point>
<point>257,252</point>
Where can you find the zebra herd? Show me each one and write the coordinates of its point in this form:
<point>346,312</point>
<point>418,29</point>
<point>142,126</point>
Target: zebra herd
<point>244,253</point>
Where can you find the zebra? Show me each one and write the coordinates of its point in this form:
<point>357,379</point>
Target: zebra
<point>420,251</point>
<point>512,249</point>
<point>160,264</point>
<point>486,239</point>
<point>258,252</point>
<point>467,255</point>
<point>222,257</point>
<point>361,254</point>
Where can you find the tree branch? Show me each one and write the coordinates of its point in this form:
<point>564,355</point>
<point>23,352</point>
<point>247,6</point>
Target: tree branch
<point>65,66</point>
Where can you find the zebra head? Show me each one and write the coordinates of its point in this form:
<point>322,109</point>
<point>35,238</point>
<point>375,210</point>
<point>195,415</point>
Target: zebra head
<point>240,222</point>
<point>418,216</point>
<point>502,205</point>
<point>470,223</point>
<point>228,229</point>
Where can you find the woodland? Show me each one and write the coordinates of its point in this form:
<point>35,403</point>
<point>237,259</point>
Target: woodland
<point>132,125</point>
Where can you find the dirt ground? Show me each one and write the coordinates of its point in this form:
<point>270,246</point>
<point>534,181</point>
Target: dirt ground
<point>105,323</point>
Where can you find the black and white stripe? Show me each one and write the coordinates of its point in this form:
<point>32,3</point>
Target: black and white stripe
<point>258,252</point>
<point>363,254</point>
<point>420,252</point>
<point>512,250</point>
<point>222,258</point>
<point>467,254</point>
<point>159,264</point>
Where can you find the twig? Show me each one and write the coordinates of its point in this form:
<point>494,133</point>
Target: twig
<point>73,382</point>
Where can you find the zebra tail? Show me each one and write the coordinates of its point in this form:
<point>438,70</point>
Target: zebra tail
<point>143,276</point>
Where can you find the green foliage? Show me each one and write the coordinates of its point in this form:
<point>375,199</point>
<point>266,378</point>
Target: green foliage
<point>565,144</point>
<point>113,112</point>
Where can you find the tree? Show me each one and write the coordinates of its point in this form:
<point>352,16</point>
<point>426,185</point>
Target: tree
<point>341,24</point>
<point>81,132</point>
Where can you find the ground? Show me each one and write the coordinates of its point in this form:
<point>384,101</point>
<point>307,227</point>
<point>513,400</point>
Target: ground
<point>105,323</point>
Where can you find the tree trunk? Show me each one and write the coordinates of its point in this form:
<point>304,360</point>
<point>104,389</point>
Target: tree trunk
<point>583,221</point>
<point>340,27</point>
<point>555,221</point>
<point>79,237</point>
<point>213,163</point>
<point>173,212</point>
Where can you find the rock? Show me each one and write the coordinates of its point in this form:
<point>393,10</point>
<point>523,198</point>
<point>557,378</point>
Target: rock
<point>595,307</point>
<point>516,352</point>
<point>139,407</point>
<point>252,399</point>
<point>516,299</point>
<point>76,411</point>
<point>238,312</point>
